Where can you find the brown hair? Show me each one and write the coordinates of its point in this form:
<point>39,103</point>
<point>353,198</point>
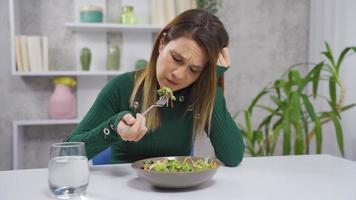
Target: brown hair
<point>209,33</point>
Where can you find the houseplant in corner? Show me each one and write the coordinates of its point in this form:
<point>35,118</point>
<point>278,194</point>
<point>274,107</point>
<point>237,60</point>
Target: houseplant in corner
<point>292,114</point>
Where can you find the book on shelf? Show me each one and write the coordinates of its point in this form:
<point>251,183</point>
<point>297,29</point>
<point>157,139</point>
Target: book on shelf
<point>19,64</point>
<point>31,53</point>
<point>34,53</point>
<point>24,53</point>
<point>163,11</point>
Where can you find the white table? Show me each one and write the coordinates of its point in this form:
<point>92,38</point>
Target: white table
<point>279,178</point>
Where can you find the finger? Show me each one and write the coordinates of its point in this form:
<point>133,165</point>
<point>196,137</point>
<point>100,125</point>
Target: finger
<point>135,129</point>
<point>143,128</point>
<point>128,119</point>
<point>125,131</point>
<point>226,56</point>
<point>221,60</point>
<point>140,136</point>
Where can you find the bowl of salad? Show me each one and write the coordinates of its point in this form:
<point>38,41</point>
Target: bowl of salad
<point>176,172</point>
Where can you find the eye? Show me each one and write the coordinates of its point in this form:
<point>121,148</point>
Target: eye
<point>177,60</point>
<point>192,69</point>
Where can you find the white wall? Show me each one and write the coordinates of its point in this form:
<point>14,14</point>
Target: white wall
<point>335,21</point>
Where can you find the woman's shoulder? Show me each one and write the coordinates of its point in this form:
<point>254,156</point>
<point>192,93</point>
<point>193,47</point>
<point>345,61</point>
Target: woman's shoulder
<point>124,79</point>
<point>121,81</point>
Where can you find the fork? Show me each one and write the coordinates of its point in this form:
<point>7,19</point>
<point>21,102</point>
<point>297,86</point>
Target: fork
<point>162,101</point>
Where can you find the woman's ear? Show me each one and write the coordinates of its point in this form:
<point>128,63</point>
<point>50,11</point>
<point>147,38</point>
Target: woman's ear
<point>161,42</point>
<point>161,45</point>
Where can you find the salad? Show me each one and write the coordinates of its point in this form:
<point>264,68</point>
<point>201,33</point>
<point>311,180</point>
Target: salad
<point>166,91</point>
<point>173,165</point>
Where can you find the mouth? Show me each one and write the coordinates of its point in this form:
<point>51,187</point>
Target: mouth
<point>171,83</point>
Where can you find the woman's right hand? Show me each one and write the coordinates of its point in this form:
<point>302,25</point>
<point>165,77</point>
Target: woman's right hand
<point>137,127</point>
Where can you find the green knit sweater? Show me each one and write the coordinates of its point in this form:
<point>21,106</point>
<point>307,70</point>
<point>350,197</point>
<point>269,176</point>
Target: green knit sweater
<point>172,138</point>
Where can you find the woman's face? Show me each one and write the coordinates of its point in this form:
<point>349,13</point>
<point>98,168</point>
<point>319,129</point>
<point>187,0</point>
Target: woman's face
<point>179,63</point>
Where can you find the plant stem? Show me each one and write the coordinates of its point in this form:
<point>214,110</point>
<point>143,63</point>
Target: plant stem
<point>339,106</point>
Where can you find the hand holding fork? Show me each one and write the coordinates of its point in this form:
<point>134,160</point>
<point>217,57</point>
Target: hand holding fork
<point>137,125</point>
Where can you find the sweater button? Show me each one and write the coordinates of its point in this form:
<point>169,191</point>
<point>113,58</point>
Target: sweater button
<point>106,131</point>
<point>181,98</point>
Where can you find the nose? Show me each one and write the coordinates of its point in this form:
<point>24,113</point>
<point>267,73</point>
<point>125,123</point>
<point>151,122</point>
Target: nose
<point>178,73</point>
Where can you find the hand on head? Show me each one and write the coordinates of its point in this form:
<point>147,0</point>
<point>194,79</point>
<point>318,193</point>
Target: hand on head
<point>224,58</point>
<point>137,127</point>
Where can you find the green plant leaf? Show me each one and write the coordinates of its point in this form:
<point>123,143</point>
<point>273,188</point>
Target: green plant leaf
<point>341,58</point>
<point>316,76</point>
<point>353,49</point>
<point>324,115</point>
<point>348,107</point>
<point>298,81</point>
<point>317,126</point>
<point>299,141</point>
<point>334,109</point>
<point>305,126</point>
<point>277,85</point>
<point>249,132</point>
<point>255,100</point>
<point>309,107</point>
<point>251,151</point>
<point>318,135</point>
<point>276,100</point>
<point>332,91</point>
<point>295,111</point>
<point>329,54</point>
<point>339,133</point>
<point>286,128</point>
<point>275,136</point>
<point>266,121</point>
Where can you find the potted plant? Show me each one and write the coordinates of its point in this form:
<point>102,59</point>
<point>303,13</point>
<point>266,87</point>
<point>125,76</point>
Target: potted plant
<point>211,6</point>
<point>291,113</point>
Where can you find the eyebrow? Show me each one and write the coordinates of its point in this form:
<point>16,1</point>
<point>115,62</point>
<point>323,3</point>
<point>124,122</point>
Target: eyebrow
<point>181,57</point>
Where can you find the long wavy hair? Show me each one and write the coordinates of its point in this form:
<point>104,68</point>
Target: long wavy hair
<point>210,34</point>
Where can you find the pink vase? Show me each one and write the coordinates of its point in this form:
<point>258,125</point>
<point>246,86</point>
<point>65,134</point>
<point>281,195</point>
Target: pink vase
<point>62,103</point>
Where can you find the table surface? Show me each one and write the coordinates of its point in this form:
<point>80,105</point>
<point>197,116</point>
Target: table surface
<point>278,178</point>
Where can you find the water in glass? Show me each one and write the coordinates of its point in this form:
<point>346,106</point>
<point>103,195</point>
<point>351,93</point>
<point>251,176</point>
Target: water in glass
<point>68,170</point>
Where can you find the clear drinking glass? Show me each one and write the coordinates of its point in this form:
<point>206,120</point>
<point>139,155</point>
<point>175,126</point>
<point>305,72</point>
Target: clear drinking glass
<point>68,169</point>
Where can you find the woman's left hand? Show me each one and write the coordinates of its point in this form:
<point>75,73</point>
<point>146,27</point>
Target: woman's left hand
<point>224,58</point>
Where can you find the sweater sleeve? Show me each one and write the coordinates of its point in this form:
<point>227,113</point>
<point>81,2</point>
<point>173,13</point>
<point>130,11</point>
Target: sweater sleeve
<point>220,70</point>
<point>224,134</point>
<point>98,128</point>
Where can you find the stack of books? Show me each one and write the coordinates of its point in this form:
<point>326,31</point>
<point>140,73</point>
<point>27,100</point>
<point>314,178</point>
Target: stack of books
<point>31,53</point>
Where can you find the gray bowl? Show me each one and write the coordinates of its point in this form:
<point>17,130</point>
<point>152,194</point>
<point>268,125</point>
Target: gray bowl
<point>173,179</point>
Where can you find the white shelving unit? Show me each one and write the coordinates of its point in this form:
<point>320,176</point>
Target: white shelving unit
<point>18,132</point>
<point>70,73</point>
<point>136,44</point>
<point>111,27</point>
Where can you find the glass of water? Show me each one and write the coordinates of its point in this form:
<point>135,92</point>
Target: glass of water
<point>68,170</point>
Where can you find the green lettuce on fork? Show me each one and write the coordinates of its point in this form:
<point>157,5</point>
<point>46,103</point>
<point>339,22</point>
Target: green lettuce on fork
<point>166,91</point>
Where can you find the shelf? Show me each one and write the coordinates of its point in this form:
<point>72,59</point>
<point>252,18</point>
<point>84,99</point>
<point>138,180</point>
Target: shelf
<point>111,27</point>
<point>46,122</point>
<point>70,73</point>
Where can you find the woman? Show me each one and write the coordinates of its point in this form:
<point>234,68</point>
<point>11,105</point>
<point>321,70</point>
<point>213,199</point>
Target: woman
<point>184,58</point>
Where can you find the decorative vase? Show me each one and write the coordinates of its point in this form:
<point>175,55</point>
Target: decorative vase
<point>141,63</point>
<point>62,103</point>
<point>113,58</point>
<point>85,58</point>
<point>127,15</point>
